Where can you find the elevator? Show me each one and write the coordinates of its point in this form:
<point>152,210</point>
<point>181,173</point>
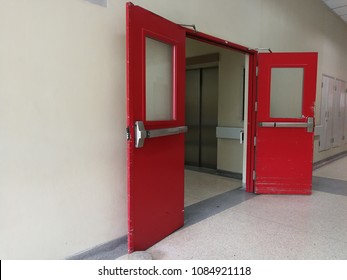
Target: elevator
<point>201,117</point>
<point>214,109</point>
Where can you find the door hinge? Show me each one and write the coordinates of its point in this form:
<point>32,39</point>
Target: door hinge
<point>128,133</point>
<point>256,106</point>
<point>189,25</point>
<point>322,84</point>
<point>254,174</point>
<point>255,141</point>
<point>256,70</point>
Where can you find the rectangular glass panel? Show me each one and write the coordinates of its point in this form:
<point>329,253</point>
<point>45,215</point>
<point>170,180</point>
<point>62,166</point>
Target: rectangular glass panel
<point>159,80</point>
<point>286,92</point>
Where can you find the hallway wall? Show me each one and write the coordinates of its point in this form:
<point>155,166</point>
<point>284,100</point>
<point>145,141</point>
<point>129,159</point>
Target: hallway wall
<point>62,106</point>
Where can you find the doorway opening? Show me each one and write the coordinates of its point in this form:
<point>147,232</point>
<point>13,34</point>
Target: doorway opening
<point>156,123</point>
<point>215,116</point>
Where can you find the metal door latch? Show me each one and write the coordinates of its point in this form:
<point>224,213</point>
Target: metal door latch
<point>128,133</point>
<point>242,134</point>
<point>309,124</point>
<point>141,133</point>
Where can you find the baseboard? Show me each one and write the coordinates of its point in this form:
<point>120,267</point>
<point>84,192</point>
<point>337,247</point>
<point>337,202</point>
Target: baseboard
<point>229,174</point>
<point>109,250</point>
<point>327,160</point>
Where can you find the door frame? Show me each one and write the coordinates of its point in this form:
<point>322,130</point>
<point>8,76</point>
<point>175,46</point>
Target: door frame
<point>251,100</point>
<point>251,61</point>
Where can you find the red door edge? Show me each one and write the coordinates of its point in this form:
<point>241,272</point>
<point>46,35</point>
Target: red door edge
<point>251,125</point>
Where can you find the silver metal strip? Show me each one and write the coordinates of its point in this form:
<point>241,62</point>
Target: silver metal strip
<point>141,133</point>
<point>282,124</point>
<point>309,124</point>
<point>267,124</point>
<point>290,124</point>
<point>166,131</point>
<point>228,132</point>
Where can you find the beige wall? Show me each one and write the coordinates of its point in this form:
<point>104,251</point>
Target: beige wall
<point>230,109</point>
<point>62,127</point>
<point>62,106</point>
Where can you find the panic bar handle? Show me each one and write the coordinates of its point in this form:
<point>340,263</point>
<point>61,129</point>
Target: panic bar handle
<point>141,133</point>
<point>309,124</point>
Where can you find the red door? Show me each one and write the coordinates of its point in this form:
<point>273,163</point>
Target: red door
<point>155,120</point>
<point>285,123</point>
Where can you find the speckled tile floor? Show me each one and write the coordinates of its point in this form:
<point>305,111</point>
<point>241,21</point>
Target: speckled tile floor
<point>271,226</point>
<point>200,186</point>
<point>233,224</point>
<point>265,227</point>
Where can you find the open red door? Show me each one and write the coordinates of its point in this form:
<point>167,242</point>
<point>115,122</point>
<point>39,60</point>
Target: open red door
<point>155,120</point>
<point>285,123</point>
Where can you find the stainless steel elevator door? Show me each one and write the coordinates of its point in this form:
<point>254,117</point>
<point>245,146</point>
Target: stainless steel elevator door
<point>192,137</point>
<point>201,117</point>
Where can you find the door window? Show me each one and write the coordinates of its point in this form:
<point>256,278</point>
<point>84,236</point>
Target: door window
<point>159,80</point>
<point>286,92</point>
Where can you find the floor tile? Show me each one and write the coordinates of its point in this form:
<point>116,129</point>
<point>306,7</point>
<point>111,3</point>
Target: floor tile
<point>200,186</point>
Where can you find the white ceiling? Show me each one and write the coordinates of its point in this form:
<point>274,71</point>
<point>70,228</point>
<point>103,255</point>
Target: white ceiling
<point>339,7</point>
